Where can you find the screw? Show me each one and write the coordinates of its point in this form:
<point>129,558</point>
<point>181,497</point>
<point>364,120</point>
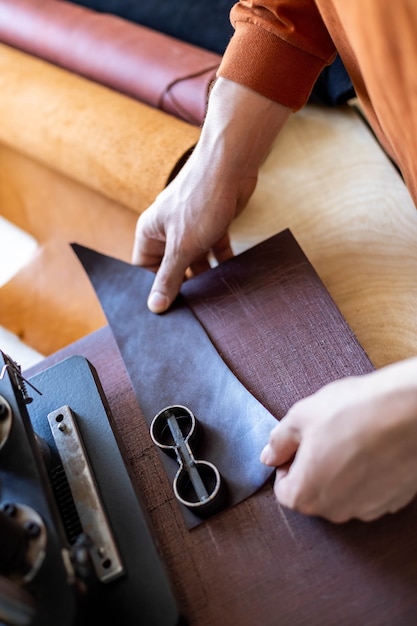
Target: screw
<point>4,412</point>
<point>32,529</point>
<point>9,509</point>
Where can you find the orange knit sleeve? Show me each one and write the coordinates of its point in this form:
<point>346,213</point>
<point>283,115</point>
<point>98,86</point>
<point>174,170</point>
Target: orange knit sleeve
<point>279,47</point>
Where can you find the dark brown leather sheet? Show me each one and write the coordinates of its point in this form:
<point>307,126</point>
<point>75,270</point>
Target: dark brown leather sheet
<point>150,66</point>
<point>275,324</point>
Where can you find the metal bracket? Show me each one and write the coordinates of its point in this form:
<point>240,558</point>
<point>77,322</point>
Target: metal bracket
<point>104,553</point>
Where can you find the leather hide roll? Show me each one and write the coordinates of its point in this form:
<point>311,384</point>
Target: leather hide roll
<point>122,148</point>
<point>77,158</point>
<point>157,69</point>
<point>205,24</point>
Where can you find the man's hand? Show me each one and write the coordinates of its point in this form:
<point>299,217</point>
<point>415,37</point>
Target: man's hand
<point>190,218</point>
<point>350,450</point>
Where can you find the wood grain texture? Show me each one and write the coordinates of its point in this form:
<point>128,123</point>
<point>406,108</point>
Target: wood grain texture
<point>328,180</point>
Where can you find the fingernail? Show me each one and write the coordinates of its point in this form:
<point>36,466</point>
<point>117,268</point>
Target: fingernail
<point>265,454</point>
<point>157,302</point>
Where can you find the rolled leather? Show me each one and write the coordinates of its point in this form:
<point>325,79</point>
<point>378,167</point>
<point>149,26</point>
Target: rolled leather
<point>157,69</point>
<point>205,24</point>
<point>77,159</point>
<point>122,148</point>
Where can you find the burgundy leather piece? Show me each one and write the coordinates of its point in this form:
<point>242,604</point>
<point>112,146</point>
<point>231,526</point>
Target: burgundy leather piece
<point>150,66</point>
<point>171,361</point>
<point>271,296</point>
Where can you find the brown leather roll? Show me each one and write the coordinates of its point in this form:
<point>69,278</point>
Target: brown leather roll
<point>77,159</point>
<point>122,148</point>
<point>150,66</point>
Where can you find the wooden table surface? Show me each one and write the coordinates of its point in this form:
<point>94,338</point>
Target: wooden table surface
<point>328,180</point>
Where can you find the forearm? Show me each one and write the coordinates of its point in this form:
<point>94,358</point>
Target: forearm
<point>398,382</point>
<point>239,129</point>
<point>191,216</point>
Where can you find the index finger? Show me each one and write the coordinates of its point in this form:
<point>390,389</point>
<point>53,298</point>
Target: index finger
<point>167,284</point>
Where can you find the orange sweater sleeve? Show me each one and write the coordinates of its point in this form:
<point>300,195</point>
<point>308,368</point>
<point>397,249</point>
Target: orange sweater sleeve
<point>279,47</point>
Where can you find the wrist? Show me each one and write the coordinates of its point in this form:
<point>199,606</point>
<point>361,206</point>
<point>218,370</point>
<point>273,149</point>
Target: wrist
<point>401,375</point>
<point>397,386</point>
<point>239,128</point>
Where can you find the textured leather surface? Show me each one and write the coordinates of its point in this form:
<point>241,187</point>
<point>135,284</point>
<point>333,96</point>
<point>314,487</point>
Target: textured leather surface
<point>171,360</point>
<point>155,68</point>
<point>275,324</point>
<point>258,562</point>
<point>78,162</point>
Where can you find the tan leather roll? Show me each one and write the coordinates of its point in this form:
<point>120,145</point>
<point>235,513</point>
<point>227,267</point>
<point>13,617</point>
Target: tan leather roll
<point>155,68</point>
<point>77,160</point>
<point>113,144</point>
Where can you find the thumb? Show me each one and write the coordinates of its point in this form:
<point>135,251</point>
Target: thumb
<point>166,285</point>
<point>282,446</point>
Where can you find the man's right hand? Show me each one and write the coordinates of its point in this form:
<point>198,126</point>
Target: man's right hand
<point>190,218</point>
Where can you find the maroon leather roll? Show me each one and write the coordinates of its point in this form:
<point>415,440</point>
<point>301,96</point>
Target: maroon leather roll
<point>159,70</point>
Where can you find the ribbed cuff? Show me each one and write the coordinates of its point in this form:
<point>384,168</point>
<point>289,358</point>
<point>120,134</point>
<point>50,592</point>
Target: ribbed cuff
<point>274,68</point>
